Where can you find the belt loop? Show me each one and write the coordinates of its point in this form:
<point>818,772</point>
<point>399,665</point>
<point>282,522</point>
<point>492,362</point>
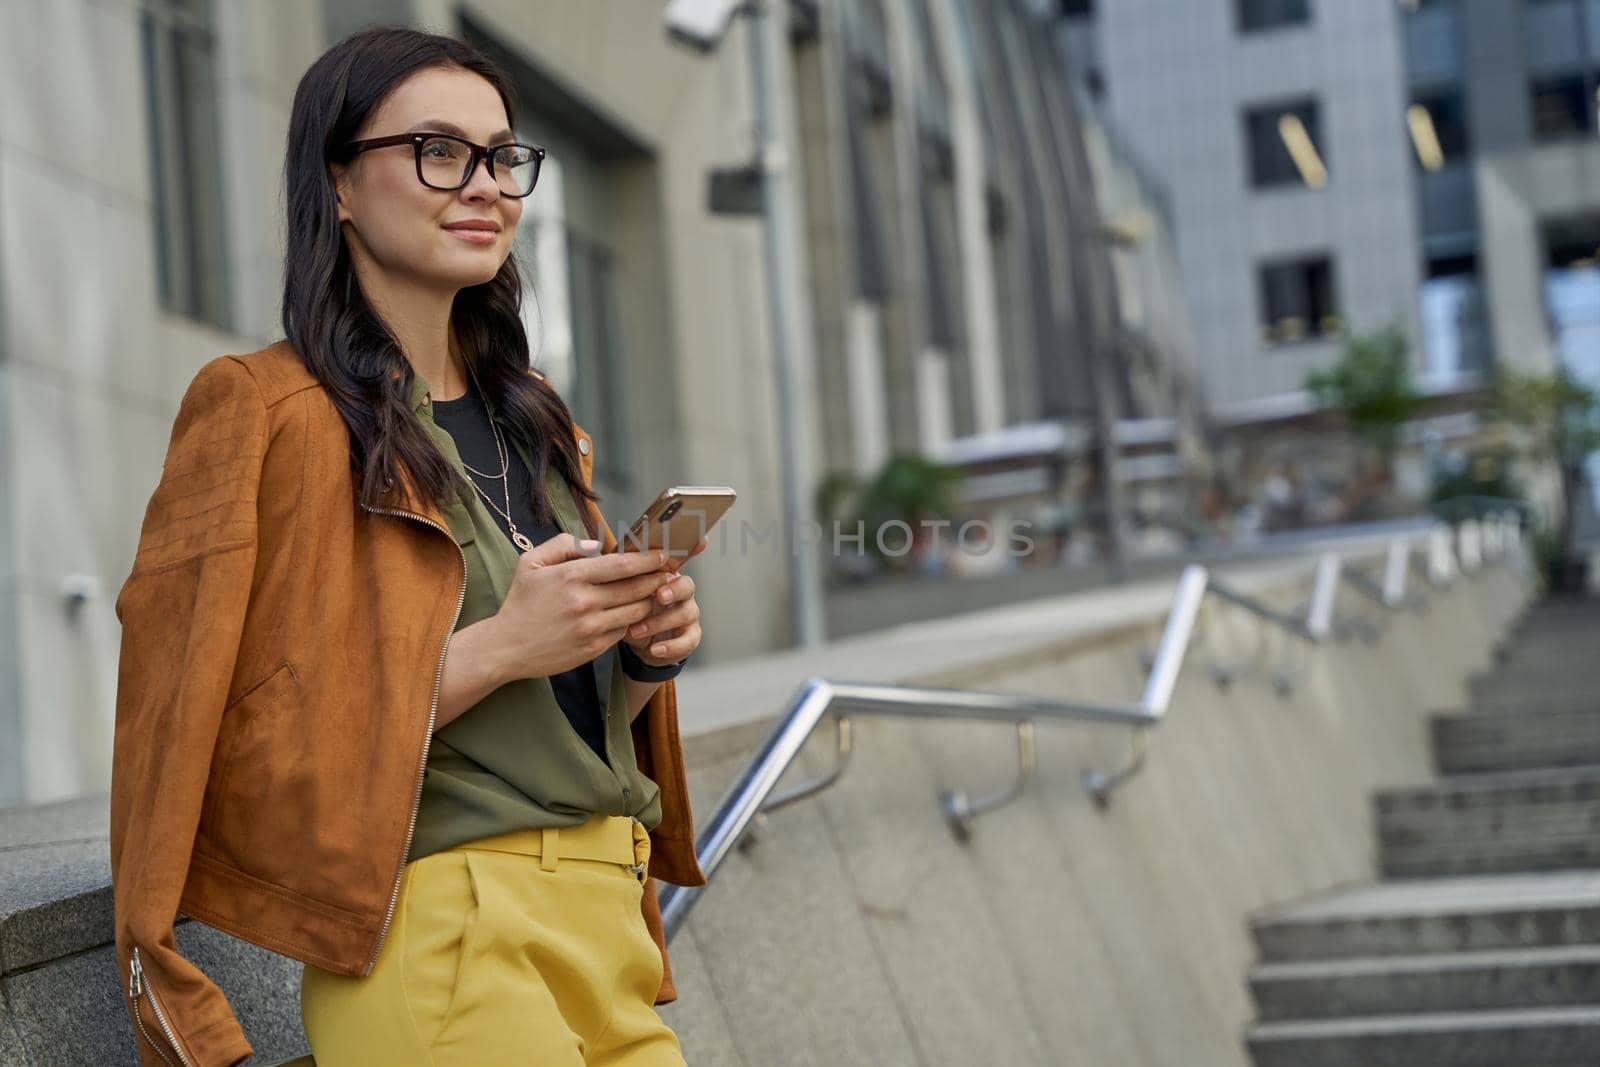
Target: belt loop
<point>641,845</point>
<point>548,852</point>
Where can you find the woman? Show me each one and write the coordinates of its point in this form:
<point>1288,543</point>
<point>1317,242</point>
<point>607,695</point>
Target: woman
<point>514,934</point>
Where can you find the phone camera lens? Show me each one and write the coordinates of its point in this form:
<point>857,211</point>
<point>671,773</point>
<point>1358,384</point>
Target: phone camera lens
<point>672,509</point>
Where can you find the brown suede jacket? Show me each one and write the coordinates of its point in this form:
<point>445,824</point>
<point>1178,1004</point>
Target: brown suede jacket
<point>282,649</point>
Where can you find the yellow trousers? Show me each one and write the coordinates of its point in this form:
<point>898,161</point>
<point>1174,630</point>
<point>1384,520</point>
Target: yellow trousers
<point>522,948</point>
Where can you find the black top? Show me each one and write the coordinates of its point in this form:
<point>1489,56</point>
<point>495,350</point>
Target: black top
<point>466,419</point>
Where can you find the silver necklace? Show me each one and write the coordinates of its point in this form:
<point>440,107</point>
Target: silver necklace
<point>518,538</point>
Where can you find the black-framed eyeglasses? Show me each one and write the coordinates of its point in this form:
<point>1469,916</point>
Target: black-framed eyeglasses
<point>446,162</point>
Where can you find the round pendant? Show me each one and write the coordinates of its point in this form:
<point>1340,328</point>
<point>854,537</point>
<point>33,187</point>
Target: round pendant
<point>521,540</point>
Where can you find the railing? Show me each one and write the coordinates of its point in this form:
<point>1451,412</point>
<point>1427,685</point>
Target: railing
<point>745,805</point>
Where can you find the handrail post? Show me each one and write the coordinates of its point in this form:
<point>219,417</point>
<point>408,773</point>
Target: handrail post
<point>1174,640</point>
<point>1163,678</point>
<point>1394,571</point>
<point>1441,564</point>
<point>1319,619</point>
<point>1469,545</point>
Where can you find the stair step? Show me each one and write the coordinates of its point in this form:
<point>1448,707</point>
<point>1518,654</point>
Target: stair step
<point>1519,690</point>
<point>1490,811</point>
<point>1468,744</point>
<point>1564,853</point>
<point>1490,830</point>
<point>1523,1037</point>
<point>1557,654</point>
<point>1427,915</point>
<point>1493,789</point>
<point>1432,982</point>
<point>1573,671</point>
<point>1542,703</point>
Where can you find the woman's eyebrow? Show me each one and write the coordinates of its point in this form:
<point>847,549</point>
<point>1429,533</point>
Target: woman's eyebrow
<point>446,126</point>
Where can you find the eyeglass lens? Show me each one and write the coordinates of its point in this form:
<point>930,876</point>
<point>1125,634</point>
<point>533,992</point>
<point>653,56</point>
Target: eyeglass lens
<point>444,166</point>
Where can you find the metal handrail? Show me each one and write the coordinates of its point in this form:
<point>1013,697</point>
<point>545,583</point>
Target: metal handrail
<point>746,803</point>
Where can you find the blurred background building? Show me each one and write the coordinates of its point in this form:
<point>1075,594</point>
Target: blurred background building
<point>1336,167</point>
<point>1082,254</point>
<point>963,278</point>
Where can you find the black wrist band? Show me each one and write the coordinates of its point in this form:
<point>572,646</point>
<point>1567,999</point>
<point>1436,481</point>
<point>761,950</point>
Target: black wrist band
<point>640,671</point>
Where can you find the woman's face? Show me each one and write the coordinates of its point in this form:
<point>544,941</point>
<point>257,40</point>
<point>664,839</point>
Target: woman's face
<point>396,225</point>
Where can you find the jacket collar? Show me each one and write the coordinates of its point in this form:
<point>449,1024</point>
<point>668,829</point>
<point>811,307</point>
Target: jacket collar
<point>421,394</point>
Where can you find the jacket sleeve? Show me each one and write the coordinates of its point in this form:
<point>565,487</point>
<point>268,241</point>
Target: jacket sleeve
<point>182,610</point>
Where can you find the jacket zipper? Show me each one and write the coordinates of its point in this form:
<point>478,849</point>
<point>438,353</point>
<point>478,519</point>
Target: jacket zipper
<point>137,983</point>
<point>433,711</point>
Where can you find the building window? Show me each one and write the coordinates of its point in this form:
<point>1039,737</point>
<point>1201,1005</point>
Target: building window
<point>178,47</point>
<point>1437,123</point>
<point>1254,15</point>
<point>1562,106</point>
<point>1285,143</point>
<point>1455,325</point>
<point>571,304</point>
<point>1297,300</point>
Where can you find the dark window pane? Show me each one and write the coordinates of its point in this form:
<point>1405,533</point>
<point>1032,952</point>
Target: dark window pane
<point>1077,7</point>
<point>1438,128</point>
<point>177,52</point>
<point>1561,106</point>
<point>1277,135</point>
<point>1266,14</point>
<point>1444,266</point>
<point>1567,240</point>
<point>1297,299</point>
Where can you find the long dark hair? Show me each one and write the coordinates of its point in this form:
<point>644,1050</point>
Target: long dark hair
<point>343,341</point>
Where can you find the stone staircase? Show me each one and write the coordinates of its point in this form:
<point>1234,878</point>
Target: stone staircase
<point>1481,945</point>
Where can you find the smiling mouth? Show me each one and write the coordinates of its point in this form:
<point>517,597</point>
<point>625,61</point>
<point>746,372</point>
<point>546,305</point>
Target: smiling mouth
<point>482,237</point>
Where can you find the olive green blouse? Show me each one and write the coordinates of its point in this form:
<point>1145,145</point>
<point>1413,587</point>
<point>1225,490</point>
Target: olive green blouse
<point>514,760</point>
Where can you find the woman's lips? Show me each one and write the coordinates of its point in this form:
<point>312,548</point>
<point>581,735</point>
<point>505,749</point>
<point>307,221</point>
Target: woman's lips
<point>477,237</point>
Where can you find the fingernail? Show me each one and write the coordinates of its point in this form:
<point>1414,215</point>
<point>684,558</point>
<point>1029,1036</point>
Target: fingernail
<point>666,596</point>
<point>638,629</point>
<point>658,650</point>
<point>589,544</point>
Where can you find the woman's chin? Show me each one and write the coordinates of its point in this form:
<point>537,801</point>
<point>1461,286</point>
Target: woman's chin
<point>476,270</point>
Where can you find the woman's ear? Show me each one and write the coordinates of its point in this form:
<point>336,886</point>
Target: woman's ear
<point>341,181</point>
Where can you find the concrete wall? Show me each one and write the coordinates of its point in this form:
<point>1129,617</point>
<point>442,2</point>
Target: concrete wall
<point>92,368</point>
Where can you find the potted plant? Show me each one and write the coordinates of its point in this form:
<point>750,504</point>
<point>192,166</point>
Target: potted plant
<point>908,488</point>
<point>1371,387</point>
<point>1559,417</point>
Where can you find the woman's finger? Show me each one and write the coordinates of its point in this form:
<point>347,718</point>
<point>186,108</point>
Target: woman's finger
<point>676,648</point>
<point>664,620</point>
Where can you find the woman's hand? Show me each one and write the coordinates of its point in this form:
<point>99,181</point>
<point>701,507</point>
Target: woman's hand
<point>672,629</point>
<point>566,605</point>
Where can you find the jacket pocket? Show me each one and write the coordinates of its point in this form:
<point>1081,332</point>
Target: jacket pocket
<point>242,720</point>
